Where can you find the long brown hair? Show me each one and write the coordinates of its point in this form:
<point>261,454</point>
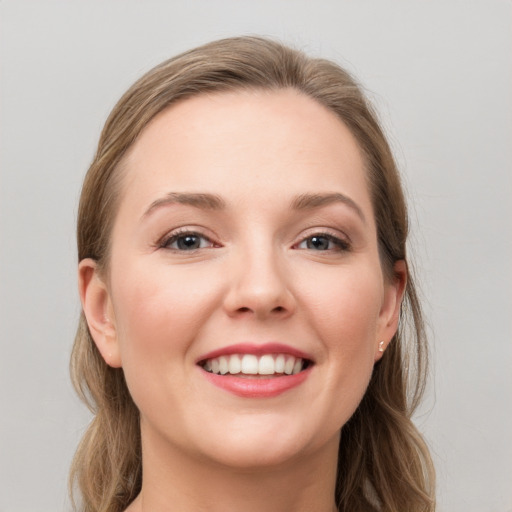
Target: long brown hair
<point>384,464</point>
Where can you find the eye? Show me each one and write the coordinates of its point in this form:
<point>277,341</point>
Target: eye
<point>324,242</point>
<point>186,241</point>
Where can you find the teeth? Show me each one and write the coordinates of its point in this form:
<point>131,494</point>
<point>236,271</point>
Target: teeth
<point>249,364</point>
<point>288,366</point>
<point>235,364</point>
<point>223,365</point>
<point>266,365</point>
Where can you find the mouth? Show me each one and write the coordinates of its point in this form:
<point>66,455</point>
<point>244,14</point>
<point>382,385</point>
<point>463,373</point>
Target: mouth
<point>254,366</point>
<point>256,371</point>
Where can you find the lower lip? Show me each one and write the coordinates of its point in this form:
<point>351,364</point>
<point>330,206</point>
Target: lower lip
<point>257,387</point>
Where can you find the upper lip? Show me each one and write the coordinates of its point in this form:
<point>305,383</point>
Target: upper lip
<point>255,349</point>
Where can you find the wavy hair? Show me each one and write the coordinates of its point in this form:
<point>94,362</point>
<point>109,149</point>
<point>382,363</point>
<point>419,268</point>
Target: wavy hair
<point>384,464</point>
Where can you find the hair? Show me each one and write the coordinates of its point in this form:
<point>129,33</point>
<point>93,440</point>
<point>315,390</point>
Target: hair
<point>384,463</point>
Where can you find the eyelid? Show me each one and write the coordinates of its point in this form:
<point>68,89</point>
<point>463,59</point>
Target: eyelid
<point>180,232</point>
<point>342,241</point>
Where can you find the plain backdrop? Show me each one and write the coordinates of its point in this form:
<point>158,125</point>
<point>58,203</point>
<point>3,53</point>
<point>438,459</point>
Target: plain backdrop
<point>439,72</point>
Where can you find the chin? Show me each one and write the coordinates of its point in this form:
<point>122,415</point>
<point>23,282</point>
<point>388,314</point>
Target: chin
<point>253,457</point>
<point>265,444</point>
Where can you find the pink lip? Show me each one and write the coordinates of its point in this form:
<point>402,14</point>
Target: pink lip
<point>257,350</point>
<point>258,387</point>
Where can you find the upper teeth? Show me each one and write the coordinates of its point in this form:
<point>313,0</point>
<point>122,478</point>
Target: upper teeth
<point>249,364</point>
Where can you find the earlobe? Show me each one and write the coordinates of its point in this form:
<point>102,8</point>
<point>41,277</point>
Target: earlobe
<point>97,308</point>
<point>390,311</point>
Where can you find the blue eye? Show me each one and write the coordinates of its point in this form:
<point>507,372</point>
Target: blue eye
<point>187,242</point>
<point>324,242</point>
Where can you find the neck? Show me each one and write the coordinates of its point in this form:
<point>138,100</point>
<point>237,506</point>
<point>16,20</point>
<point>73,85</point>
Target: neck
<point>176,481</point>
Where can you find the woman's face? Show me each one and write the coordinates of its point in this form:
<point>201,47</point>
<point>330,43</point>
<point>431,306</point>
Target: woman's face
<point>245,300</point>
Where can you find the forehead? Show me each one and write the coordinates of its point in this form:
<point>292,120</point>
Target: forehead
<point>245,143</point>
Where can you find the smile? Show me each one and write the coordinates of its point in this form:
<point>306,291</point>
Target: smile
<point>250,364</point>
<point>256,371</point>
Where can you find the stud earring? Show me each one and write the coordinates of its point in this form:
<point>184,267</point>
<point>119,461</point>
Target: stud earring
<point>381,346</point>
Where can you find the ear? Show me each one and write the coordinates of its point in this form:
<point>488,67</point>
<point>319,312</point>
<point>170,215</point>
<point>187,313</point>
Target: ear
<point>390,311</point>
<point>98,311</point>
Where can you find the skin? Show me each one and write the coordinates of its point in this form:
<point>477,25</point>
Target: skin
<point>256,277</point>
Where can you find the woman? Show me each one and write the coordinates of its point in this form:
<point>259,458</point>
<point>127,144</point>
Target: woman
<point>243,276</point>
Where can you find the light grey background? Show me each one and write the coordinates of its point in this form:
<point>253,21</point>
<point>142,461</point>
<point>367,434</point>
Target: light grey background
<point>440,74</point>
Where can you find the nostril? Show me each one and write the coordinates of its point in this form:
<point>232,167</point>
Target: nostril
<point>277,309</point>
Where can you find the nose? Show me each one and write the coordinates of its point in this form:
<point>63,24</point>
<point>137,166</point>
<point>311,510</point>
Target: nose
<point>259,286</point>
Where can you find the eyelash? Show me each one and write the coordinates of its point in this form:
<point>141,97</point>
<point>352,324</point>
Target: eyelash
<point>341,245</point>
<point>166,241</point>
<point>173,237</point>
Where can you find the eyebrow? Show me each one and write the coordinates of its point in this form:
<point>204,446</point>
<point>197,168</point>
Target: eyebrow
<point>310,201</point>
<point>203,201</point>
<point>214,202</point>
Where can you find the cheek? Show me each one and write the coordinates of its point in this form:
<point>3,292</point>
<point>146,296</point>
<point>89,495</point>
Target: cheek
<point>345,318</point>
<point>158,315</point>
<point>345,306</point>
